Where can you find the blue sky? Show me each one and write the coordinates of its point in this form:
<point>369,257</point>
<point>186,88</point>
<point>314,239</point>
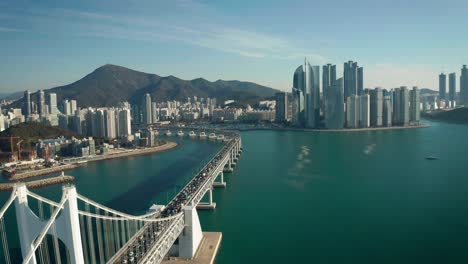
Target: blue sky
<point>49,43</point>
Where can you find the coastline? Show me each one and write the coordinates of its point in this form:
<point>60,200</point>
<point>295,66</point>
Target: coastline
<point>335,130</point>
<point>38,183</point>
<point>135,152</point>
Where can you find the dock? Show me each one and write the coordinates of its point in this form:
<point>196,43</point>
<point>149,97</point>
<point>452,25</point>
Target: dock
<point>206,252</point>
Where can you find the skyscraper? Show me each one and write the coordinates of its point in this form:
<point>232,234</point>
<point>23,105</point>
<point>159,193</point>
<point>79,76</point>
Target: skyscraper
<point>464,86</point>
<point>353,79</point>
<point>109,123</point>
<point>415,105</point>
<point>298,93</point>
<point>452,86</point>
<point>312,83</point>
<point>73,107</point>
<point>376,107</point>
<point>40,103</point>
<point>352,111</point>
<point>401,108</point>
<point>124,123</point>
<point>387,111</point>
<point>281,107</point>
<point>328,78</point>
<point>53,104</point>
<point>146,109</point>
<point>27,104</point>
<point>364,113</point>
<point>396,99</point>
<point>442,86</point>
<point>334,117</point>
<point>360,81</point>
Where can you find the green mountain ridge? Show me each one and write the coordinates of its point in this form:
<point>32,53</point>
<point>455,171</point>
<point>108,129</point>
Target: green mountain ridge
<point>111,84</point>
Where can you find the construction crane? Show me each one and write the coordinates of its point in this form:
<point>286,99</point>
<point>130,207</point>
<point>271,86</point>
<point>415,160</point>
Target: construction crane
<point>11,144</point>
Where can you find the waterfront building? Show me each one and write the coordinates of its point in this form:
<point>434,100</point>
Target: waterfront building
<point>281,107</point>
<point>352,108</point>
<point>154,112</point>
<point>364,113</point>
<point>334,117</point>
<point>442,86</point>
<point>401,106</point>
<point>298,92</point>
<point>376,107</point>
<point>452,87</point>
<point>360,81</point>
<point>40,103</point>
<point>124,126</point>
<point>353,79</point>
<point>98,128</point>
<point>414,106</point>
<point>464,86</point>
<point>312,95</point>
<point>109,123</point>
<point>328,78</point>
<point>387,111</point>
<point>146,109</point>
<point>396,106</point>
<point>52,103</point>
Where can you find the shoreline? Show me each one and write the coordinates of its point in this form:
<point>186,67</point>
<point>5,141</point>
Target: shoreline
<point>37,183</point>
<point>134,152</point>
<point>335,130</point>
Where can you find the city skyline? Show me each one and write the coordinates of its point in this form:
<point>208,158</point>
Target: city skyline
<point>151,38</point>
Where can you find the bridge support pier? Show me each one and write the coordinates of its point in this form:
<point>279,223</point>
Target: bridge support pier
<point>222,183</point>
<point>192,234</point>
<point>209,204</point>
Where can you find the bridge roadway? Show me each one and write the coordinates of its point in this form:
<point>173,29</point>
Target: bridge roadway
<point>154,240</point>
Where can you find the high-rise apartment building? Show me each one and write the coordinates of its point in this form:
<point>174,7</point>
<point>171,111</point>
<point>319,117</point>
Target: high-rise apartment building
<point>401,115</point>
<point>109,123</point>
<point>464,85</point>
<point>364,111</point>
<point>353,79</point>
<point>334,117</point>
<point>125,128</point>
<point>52,103</point>
<point>146,109</point>
<point>376,107</point>
<point>452,86</point>
<point>281,107</point>
<point>312,83</point>
<point>27,104</point>
<point>387,111</point>
<point>40,103</point>
<point>414,106</point>
<point>442,86</point>
<point>298,93</point>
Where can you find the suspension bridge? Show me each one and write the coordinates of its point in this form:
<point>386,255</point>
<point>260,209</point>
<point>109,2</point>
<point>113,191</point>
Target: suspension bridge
<point>77,229</point>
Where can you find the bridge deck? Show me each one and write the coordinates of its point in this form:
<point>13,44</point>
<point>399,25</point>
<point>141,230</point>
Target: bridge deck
<point>206,252</point>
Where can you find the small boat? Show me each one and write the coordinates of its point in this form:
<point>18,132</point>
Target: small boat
<point>192,134</point>
<point>212,136</point>
<point>168,133</point>
<point>202,135</point>
<point>431,158</point>
<point>180,133</point>
<point>82,162</point>
<point>220,138</point>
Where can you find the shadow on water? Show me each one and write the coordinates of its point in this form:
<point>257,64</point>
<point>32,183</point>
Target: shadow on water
<point>137,198</point>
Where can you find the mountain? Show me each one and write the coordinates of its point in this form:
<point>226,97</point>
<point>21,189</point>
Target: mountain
<point>110,84</point>
<point>458,115</point>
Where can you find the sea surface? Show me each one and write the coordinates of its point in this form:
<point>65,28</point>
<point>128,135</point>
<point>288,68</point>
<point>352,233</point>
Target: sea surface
<point>313,197</point>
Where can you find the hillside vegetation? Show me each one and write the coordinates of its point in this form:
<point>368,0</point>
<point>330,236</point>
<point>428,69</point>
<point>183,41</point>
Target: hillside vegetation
<point>30,133</point>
